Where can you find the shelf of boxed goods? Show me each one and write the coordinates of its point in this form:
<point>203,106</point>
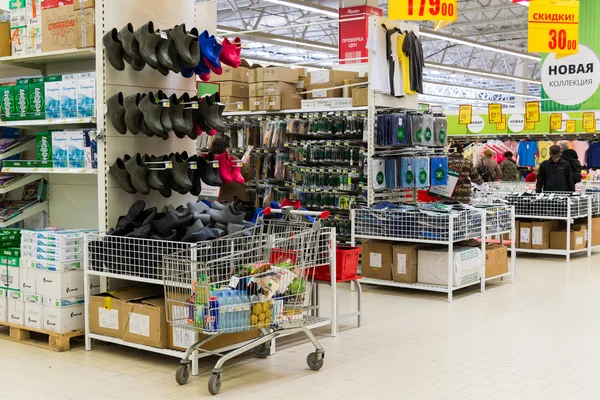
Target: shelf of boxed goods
<point>28,212</point>
<point>298,111</point>
<point>18,150</point>
<point>48,122</point>
<point>19,183</point>
<point>46,170</point>
<point>51,57</point>
<point>460,235</point>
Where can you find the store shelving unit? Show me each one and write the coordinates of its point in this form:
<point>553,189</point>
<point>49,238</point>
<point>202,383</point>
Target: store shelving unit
<point>31,170</point>
<point>294,111</point>
<point>18,150</point>
<point>37,123</point>
<point>29,212</point>
<point>50,57</point>
<point>368,224</point>
<point>19,183</point>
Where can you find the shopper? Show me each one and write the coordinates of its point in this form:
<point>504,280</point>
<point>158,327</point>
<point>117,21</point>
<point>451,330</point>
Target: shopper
<point>488,168</point>
<point>510,172</point>
<point>467,174</point>
<point>532,176</point>
<point>555,174</point>
<point>570,156</point>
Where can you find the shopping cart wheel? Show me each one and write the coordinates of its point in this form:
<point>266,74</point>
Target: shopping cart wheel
<point>182,375</point>
<point>314,361</point>
<point>214,384</point>
<point>263,351</point>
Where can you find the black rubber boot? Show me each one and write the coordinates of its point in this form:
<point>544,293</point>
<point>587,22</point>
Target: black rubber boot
<point>148,42</point>
<point>114,49</point>
<point>138,173</point>
<point>131,48</point>
<point>120,173</point>
<point>133,115</point>
<point>152,111</point>
<point>116,113</point>
<point>180,171</point>
<point>186,45</point>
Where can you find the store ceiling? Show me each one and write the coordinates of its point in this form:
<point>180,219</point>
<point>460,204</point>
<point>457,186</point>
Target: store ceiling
<point>499,23</point>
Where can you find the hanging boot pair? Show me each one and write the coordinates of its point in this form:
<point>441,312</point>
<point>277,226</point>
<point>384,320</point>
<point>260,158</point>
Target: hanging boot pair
<point>229,170</point>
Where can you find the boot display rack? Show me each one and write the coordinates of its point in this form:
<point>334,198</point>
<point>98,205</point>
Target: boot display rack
<point>448,229</point>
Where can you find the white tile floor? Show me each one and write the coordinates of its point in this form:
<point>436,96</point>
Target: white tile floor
<point>536,339</point>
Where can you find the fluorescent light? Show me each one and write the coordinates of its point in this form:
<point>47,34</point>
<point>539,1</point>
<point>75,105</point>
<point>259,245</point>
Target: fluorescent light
<point>297,43</point>
<point>482,90</point>
<point>226,31</point>
<point>472,43</point>
<point>465,99</point>
<point>481,73</point>
<point>330,12</point>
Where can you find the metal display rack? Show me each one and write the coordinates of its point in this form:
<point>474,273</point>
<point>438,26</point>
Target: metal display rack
<point>438,229</point>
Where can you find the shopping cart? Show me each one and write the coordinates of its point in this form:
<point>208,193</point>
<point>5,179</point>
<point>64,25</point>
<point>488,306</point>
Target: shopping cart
<point>260,279</point>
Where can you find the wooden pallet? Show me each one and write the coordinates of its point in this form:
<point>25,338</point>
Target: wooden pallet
<point>39,337</point>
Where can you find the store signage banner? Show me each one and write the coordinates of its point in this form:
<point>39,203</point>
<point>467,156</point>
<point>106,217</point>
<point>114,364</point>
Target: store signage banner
<point>571,83</point>
<point>553,26</point>
<point>423,10</point>
<point>532,111</point>
<point>495,113</point>
<point>353,34</point>
<point>465,114</point>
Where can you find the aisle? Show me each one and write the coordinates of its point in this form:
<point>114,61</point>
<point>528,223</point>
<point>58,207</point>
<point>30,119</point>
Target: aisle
<point>537,339</point>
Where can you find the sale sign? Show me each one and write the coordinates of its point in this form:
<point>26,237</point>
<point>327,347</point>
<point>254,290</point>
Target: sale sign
<point>553,26</point>
<point>423,10</point>
<point>465,114</point>
<point>532,111</point>
<point>353,33</point>
<point>495,113</point>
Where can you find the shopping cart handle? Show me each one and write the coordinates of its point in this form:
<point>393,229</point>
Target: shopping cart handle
<point>320,214</point>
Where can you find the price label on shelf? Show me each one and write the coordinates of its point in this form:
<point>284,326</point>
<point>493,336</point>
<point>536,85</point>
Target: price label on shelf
<point>556,121</point>
<point>571,126</point>
<point>465,114</point>
<point>495,113</point>
<point>589,120</point>
<point>532,111</point>
<point>423,10</point>
<point>553,27</point>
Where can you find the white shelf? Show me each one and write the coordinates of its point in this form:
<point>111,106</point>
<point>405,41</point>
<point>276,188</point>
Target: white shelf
<point>498,276</point>
<point>48,122</point>
<point>549,251</point>
<point>18,150</point>
<point>409,240</point>
<point>167,352</point>
<point>51,57</point>
<point>126,277</point>
<point>33,210</point>
<point>296,111</point>
<point>73,171</point>
<point>418,286</point>
<point>20,182</point>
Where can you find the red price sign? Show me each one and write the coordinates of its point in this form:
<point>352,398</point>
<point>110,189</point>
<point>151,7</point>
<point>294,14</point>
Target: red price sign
<point>423,10</point>
<point>553,26</point>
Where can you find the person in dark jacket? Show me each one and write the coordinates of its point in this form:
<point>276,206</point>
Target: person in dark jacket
<point>510,173</point>
<point>467,174</point>
<point>570,156</point>
<point>555,174</point>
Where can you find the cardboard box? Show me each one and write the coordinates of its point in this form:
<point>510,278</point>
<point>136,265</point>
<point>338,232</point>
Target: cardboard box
<point>524,235</point>
<point>18,13</point>
<point>15,307</point>
<point>10,277</point>
<point>287,102</point>
<point>377,260</point>
<point>230,74</point>
<point>496,260</point>
<point>55,3</point>
<point>595,231</point>
<point>350,89</point>
<point>256,104</point>
<point>235,103</point>
<point>146,322</point>
<point>404,262</point>
<point>28,280</point>
<point>66,317</point>
<point>321,90</point>
<point>278,88</point>
<point>3,305</point>
<point>256,75</point>
<point>59,284</point>
<point>558,240</point>
<point>5,45</point>
<point>302,72</point>
<point>340,102</point>
<point>19,44</point>
<point>583,228</point>
<point>360,97</point>
<point>433,266</point>
<point>307,104</point>
<point>302,84</point>
<point>234,89</point>
<point>106,309</point>
<point>334,77</point>
<point>85,27</point>
<point>256,89</point>
<point>34,311</point>
<point>540,234</point>
<point>82,4</point>
<point>58,29</point>
<point>280,74</point>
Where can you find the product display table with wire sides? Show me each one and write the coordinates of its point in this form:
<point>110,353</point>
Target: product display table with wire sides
<point>432,224</point>
<point>551,206</point>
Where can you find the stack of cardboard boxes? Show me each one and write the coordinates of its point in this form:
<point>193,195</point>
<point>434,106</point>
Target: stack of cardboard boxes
<point>274,89</point>
<point>543,235</point>
<point>43,284</point>
<point>418,263</point>
<point>233,88</point>
<point>325,89</point>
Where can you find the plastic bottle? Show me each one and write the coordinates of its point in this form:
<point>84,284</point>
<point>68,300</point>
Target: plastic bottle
<point>230,311</point>
<point>212,315</point>
<point>222,299</point>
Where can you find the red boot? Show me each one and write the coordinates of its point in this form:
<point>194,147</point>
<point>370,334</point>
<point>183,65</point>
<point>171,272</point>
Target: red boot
<point>236,172</point>
<point>230,54</point>
<point>225,165</point>
<point>293,203</point>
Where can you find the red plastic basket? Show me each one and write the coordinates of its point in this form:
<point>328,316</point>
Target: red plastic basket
<point>346,264</point>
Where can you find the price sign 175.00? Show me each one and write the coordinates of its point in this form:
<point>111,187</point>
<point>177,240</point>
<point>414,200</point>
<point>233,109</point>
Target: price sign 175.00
<point>423,10</point>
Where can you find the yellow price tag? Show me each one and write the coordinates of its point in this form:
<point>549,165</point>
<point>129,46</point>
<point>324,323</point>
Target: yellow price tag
<point>553,26</point>
<point>423,10</point>
<point>589,120</point>
<point>591,130</point>
<point>556,121</point>
<point>532,111</point>
<point>501,126</point>
<point>465,114</point>
<point>571,126</point>
<point>495,113</point>
<point>529,126</point>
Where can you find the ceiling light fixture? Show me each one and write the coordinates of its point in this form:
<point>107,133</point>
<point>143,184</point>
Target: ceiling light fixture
<point>298,43</point>
<point>526,96</point>
<point>478,45</point>
<point>467,71</point>
<point>330,12</point>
